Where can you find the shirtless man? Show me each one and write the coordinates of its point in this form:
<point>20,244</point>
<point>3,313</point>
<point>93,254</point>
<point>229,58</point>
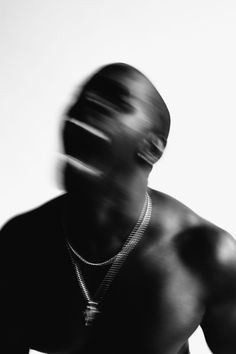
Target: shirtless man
<point>176,271</point>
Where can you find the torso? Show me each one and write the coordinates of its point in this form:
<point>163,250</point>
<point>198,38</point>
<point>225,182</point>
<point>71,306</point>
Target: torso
<point>153,306</point>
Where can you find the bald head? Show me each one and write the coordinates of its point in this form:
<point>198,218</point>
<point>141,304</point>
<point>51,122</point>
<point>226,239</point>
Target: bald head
<point>120,105</point>
<point>130,82</point>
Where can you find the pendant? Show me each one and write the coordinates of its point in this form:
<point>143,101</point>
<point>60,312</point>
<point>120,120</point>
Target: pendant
<point>90,312</point>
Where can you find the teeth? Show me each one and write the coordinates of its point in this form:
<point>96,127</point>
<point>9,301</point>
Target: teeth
<point>89,128</point>
<point>78,164</point>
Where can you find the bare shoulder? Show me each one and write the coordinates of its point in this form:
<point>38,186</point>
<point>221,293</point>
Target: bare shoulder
<point>172,212</point>
<point>28,218</point>
<point>203,247</point>
<point>28,230</point>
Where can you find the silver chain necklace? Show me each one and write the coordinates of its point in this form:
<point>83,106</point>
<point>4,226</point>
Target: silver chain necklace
<point>117,261</point>
<point>111,260</point>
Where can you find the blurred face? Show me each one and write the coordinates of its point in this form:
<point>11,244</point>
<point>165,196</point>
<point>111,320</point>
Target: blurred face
<point>103,129</point>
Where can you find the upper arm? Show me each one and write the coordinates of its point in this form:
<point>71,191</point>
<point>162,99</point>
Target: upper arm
<point>219,322</point>
<point>12,336</point>
<point>219,327</point>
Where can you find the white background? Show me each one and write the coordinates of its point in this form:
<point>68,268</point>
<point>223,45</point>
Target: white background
<point>187,48</point>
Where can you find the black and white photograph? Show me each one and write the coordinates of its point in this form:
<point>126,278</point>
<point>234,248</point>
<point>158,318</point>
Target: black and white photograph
<point>117,183</point>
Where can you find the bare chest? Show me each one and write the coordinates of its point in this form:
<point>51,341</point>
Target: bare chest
<point>152,306</point>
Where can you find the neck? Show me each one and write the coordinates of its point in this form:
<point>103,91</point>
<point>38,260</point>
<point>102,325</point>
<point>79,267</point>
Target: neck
<point>106,215</point>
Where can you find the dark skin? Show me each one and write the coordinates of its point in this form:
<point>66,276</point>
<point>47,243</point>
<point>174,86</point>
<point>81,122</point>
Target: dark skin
<point>182,273</point>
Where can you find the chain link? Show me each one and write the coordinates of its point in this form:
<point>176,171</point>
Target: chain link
<point>119,259</point>
<point>111,260</point>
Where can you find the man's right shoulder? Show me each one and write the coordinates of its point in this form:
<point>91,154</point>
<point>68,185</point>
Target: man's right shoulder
<point>49,207</point>
<point>20,225</point>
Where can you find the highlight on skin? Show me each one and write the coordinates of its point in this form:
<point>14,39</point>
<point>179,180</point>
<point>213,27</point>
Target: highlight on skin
<point>115,87</point>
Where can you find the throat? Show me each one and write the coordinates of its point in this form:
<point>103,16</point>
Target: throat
<point>98,229</point>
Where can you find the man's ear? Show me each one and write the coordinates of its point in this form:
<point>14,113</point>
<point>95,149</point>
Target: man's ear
<point>151,148</point>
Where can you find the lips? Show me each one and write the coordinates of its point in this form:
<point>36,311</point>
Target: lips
<point>81,166</point>
<point>87,148</point>
<point>89,128</point>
